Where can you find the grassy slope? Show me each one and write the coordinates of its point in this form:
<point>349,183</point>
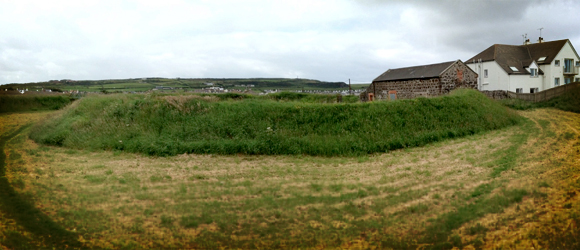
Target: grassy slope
<point>570,101</point>
<point>170,125</point>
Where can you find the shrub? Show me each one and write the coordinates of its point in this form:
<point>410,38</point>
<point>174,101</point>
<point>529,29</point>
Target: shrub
<point>19,103</point>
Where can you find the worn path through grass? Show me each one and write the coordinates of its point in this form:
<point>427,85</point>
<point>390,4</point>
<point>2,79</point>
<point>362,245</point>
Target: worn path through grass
<point>38,230</point>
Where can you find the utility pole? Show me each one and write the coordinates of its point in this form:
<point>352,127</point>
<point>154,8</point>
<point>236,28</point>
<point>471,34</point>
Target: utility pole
<point>349,89</point>
<point>541,31</point>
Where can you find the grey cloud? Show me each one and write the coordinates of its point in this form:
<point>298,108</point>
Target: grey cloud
<point>135,40</point>
<point>468,27</point>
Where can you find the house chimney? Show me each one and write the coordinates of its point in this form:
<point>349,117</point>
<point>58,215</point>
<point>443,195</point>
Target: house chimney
<point>527,42</point>
<point>540,40</point>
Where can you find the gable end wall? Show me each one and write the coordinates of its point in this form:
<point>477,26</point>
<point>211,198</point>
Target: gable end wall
<point>458,75</point>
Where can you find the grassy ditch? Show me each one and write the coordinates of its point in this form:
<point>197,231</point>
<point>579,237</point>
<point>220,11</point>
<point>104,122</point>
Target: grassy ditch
<point>453,193</point>
<point>170,125</point>
<point>19,103</point>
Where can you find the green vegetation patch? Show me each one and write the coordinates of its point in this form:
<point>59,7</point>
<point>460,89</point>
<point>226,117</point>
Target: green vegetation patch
<point>18,103</point>
<point>170,125</point>
<point>570,101</point>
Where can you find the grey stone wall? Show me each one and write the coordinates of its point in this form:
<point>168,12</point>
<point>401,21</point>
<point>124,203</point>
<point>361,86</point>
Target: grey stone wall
<point>364,96</point>
<point>458,75</point>
<point>408,89</point>
<point>496,94</point>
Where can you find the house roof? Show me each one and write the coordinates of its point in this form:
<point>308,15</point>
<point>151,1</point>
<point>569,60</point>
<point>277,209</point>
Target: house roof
<point>520,56</point>
<point>416,72</point>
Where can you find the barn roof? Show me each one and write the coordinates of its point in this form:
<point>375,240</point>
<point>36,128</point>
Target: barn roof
<point>416,72</point>
<point>520,56</point>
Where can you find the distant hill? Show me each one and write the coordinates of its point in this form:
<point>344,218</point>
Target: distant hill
<point>144,84</point>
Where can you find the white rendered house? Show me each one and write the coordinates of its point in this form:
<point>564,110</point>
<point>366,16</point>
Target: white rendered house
<point>527,68</point>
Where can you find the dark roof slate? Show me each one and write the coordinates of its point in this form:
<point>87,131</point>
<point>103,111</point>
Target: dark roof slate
<point>520,56</point>
<point>416,72</point>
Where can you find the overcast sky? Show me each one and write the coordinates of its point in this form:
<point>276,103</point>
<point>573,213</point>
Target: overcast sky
<point>323,40</point>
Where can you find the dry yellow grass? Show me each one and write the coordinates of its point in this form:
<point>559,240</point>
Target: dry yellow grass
<point>555,160</point>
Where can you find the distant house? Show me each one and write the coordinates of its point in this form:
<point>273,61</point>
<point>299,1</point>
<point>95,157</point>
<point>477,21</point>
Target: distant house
<point>424,80</point>
<point>526,68</point>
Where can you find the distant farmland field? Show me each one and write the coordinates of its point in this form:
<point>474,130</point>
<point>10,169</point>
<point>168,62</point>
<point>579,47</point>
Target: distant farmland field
<point>145,84</point>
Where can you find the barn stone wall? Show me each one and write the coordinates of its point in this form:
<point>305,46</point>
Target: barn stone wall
<point>496,94</point>
<point>458,75</point>
<point>408,89</point>
<point>364,96</point>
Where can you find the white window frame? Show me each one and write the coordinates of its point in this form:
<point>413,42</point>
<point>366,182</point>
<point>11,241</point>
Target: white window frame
<point>556,62</point>
<point>519,90</point>
<point>556,81</point>
<point>533,72</point>
<point>485,74</point>
<point>577,79</point>
<point>534,90</point>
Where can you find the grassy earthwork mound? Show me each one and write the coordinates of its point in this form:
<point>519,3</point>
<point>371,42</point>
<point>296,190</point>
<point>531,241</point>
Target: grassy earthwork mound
<point>170,124</point>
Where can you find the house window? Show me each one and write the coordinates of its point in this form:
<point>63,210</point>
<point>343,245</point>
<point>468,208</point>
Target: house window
<point>534,90</point>
<point>542,59</point>
<point>519,90</point>
<point>534,72</point>
<point>485,73</point>
<point>577,63</point>
<point>576,79</point>
<point>557,63</point>
<point>567,80</point>
<point>514,69</point>
<point>556,81</point>
<point>568,65</point>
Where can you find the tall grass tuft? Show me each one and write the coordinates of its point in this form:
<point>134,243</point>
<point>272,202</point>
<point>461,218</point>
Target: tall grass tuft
<point>169,125</point>
<point>18,103</point>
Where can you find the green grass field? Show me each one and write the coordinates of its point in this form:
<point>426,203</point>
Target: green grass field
<point>145,84</point>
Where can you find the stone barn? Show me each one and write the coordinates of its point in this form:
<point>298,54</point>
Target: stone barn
<point>426,80</point>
